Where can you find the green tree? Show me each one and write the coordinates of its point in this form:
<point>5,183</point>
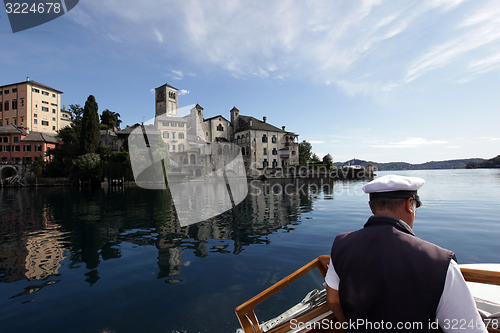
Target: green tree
<point>328,160</point>
<point>110,119</point>
<point>62,156</point>
<point>304,152</point>
<point>76,111</point>
<point>87,167</point>
<point>90,136</point>
<point>117,166</point>
<point>315,159</point>
<point>491,163</point>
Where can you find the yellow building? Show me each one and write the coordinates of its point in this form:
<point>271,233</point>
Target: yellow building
<point>31,105</point>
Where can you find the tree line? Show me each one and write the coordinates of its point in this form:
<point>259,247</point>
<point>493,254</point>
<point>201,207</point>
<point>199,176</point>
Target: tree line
<point>81,156</point>
<point>491,163</point>
<point>306,156</point>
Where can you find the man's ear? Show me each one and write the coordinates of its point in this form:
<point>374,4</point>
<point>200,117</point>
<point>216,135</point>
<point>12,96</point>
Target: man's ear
<point>410,207</point>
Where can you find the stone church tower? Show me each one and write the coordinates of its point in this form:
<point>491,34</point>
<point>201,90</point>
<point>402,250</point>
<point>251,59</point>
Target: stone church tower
<point>167,101</point>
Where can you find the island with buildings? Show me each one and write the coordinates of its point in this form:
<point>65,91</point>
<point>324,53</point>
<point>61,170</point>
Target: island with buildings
<point>32,117</point>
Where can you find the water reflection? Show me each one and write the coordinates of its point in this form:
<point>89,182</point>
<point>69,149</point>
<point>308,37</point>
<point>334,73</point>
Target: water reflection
<point>40,229</point>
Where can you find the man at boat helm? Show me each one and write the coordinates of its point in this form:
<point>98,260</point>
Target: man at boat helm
<point>384,278</point>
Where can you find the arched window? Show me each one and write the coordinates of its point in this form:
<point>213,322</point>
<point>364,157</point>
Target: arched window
<point>243,151</point>
<point>238,140</point>
<point>264,138</point>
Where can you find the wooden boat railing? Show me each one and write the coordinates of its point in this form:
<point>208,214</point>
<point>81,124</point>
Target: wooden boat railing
<point>250,324</point>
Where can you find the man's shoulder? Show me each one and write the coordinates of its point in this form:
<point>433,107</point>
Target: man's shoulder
<point>348,234</point>
<point>434,247</point>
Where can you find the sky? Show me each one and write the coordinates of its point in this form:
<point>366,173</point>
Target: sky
<point>377,80</point>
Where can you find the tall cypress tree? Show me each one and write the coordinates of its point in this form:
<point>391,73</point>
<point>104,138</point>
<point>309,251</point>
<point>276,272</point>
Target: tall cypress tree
<point>90,136</point>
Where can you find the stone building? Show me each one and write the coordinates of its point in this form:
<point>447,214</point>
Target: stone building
<point>264,147</point>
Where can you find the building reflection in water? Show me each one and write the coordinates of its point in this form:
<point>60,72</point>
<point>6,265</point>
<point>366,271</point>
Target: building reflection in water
<point>32,246</point>
<point>40,228</point>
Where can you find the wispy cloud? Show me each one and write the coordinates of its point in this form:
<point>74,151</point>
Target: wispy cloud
<point>183,92</point>
<point>316,142</point>
<point>410,143</point>
<point>177,74</point>
<point>477,31</point>
<point>158,35</point>
<point>362,47</point>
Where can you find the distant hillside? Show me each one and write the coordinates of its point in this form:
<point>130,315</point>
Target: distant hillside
<point>491,163</point>
<point>450,164</point>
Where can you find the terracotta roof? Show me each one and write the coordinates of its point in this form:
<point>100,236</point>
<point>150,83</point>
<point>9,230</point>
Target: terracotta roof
<point>40,137</point>
<point>12,129</point>
<point>34,83</point>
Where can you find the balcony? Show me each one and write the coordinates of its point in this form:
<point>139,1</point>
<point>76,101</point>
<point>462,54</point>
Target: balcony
<point>284,153</point>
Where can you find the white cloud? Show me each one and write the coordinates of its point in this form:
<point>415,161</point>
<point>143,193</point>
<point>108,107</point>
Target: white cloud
<point>484,25</point>
<point>158,35</point>
<point>316,142</point>
<point>178,74</point>
<point>410,143</point>
<point>183,92</point>
<point>364,47</point>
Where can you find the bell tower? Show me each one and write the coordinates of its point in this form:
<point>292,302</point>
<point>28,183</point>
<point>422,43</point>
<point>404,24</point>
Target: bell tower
<point>167,101</point>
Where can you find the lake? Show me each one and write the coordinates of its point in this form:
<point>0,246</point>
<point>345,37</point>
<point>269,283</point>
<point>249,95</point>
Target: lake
<point>76,260</point>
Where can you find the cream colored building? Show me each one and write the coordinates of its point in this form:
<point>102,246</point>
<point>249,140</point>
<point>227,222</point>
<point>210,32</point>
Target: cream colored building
<point>166,101</point>
<point>31,105</point>
<point>66,118</point>
<point>173,128</point>
<point>264,147</point>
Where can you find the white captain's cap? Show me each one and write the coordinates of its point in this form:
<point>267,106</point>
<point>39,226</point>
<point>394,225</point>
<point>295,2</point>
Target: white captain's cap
<point>393,186</point>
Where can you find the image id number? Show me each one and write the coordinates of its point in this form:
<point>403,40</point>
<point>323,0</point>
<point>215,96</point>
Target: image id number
<point>36,8</point>
<point>461,324</point>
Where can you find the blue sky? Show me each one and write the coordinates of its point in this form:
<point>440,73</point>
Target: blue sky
<point>410,81</point>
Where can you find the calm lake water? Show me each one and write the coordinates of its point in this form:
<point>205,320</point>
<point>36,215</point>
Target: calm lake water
<point>86,261</point>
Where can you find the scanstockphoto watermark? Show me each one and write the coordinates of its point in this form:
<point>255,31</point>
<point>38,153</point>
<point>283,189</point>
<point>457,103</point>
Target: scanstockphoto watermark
<point>364,325</point>
<point>358,325</point>
<point>26,14</point>
<point>297,187</point>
